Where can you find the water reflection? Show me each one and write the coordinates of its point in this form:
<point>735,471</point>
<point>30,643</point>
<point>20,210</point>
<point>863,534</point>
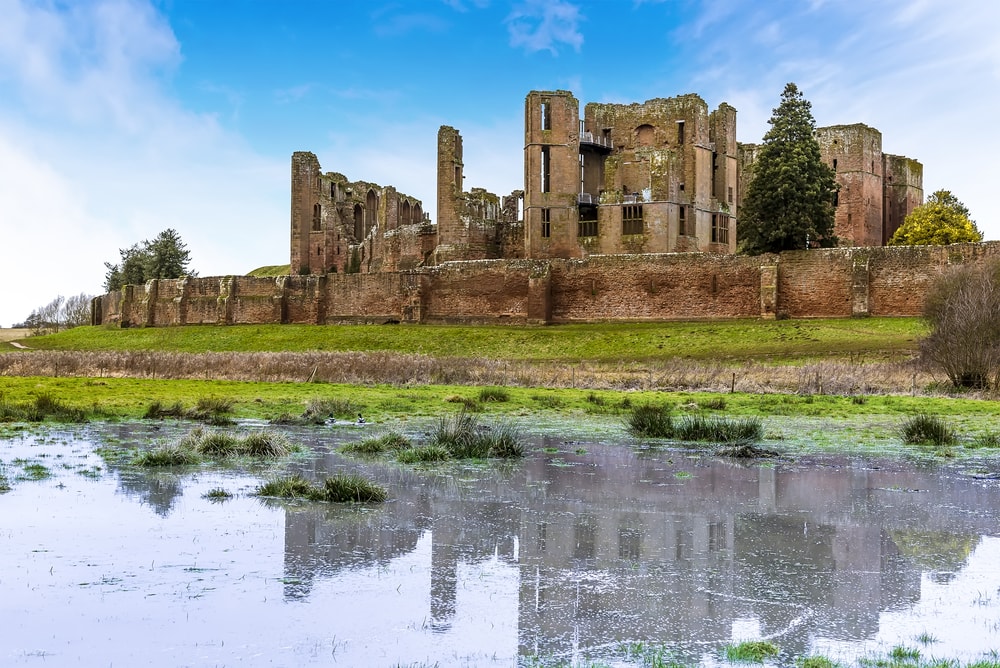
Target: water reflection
<point>612,546</point>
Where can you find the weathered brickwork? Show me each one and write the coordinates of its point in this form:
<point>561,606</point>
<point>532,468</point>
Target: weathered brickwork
<point>838,282</point>
<point>627,213</point>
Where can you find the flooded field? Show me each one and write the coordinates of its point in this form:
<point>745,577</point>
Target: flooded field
<point>583,553</point>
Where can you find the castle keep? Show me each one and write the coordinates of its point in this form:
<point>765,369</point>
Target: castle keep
<point>628,213</point>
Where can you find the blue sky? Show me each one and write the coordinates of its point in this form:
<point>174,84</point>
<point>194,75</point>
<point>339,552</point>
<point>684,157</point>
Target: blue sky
<point>121,118</point>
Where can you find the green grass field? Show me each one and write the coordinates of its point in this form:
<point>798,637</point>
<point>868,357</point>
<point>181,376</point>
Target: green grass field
<point>732,340</point>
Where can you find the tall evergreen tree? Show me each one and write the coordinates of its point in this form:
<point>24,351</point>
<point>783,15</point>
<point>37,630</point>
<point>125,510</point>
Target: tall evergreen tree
<point>789,202</point>
<point>166,256</point>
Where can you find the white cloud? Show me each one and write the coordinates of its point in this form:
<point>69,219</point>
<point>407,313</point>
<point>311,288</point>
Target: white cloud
<point>94,156</point>
<point>542,25</point>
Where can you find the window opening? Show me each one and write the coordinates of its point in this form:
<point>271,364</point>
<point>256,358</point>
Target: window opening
<point>720,229</point>
<point>317,215</point>
<point>730,194</point>
<point>632,219</point>
<point>546,115</point>
<point>680,132</point>
<point>681,222</point>
<point>587,227</point>
<point>834,163</point>
<point>546,223</point>
<point>545,169</point>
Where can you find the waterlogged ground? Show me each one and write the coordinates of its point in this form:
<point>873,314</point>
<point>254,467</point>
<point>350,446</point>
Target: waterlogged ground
<point>584,553</point>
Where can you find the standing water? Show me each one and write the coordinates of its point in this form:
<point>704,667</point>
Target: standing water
<point>580,554</point>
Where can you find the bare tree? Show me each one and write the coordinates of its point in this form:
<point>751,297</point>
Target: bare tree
<point>76,310</point>
<point>963,310</point>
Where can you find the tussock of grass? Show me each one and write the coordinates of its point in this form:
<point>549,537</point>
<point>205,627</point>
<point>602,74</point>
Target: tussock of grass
<point>926,429</point>
<point>468,403</point>
<point>815,662</point>
<point>650,421</point>
<point>199,444</point>
<point>464,438</point>
<point>751,651</point>
<point>991,440</point>
<point>44,406</point>
<point>217,494</point>
<point>376,445</point>
<point>158,411</point>
<point>423,454</point>
<point>341,488</point>
<point>548,401</point>
<point>718,429</point>
<point>167,455</point>
<point>488,394</point>
<point>715,404</point>
<point>213,410</point>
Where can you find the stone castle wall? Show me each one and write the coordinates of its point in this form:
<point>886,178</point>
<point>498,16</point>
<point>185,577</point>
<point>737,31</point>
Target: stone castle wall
<point>838,282</point>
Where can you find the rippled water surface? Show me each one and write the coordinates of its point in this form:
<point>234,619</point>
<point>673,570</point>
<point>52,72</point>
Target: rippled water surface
<point>563,558</point>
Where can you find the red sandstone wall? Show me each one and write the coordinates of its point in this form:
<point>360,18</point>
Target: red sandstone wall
<point>482,291</point>
<point>372,298</point>
<point>656,287</point>
<point>815,283</point>
<point>883,281</point>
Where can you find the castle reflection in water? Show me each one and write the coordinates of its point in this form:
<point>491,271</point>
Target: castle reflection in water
<point>612,545</point>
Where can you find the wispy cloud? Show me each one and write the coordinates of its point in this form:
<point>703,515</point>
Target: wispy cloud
<point>95,154</point>
<point>544,25</point>
<point>398,19</point>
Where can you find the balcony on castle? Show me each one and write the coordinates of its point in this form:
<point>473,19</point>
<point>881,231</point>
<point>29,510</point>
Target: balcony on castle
<point>590,140</point>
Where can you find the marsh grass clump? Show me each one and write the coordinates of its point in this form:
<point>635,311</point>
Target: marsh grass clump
<point>548,401</point>
<point>220,444</point>
<point>217,495</point>
<point>469,404</point>
<point>351,488</point>
<point>423,454</point>
<point>341,488</point>
<point>263,444</point>
<point>4,481</point>
<point>11,411</point>
<point>901,653</point>
<point>817,661</point>
<point>715,404</point>
<point>751,651</point>
<point>167,455</point>
<point>158,411</point>
<point>386,442</point>
<point>990,440</point>
<point>320,409</point>
<point>52,407</point>
<point>497,394</point>
<point>213,410</point>
<point>924,429</point>
<point>464,438</point>
<point>34,471</point>
<point>650,421</point>
<point>719,429</point>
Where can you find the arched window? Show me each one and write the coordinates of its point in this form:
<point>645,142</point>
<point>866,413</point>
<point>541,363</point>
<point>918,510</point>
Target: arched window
<point>371,210</point>
<point>417,214</point>
<point>317,216</point>
<point>359,222</point>
<point>404,218</point>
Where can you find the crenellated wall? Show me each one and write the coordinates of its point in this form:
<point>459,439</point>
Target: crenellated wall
<point>837,282</point>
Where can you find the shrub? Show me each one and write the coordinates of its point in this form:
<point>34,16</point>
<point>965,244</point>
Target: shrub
<point>926,429</point>
<point>963,310</point>
<point>650,421</point>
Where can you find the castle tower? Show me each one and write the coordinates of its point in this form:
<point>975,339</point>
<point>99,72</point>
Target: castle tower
<point>904,191</point>
<point>552,174</point>
<point>452,234</point>
<point>306,214</point>
<point>855,154</point>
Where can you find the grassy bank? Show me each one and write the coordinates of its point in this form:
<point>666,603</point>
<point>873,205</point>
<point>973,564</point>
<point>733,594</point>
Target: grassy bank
<point>733,340</point>
<point>130,398</point>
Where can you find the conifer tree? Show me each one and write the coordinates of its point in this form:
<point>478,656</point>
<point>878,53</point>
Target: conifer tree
<point>789,202</point>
